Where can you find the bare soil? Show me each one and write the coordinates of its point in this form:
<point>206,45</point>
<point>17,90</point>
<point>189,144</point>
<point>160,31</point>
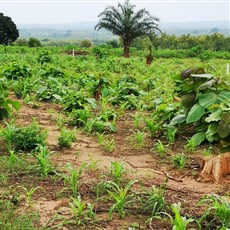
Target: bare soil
<point>143,164</point>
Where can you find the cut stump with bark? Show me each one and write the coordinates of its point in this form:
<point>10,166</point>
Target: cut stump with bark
<point>216,167</point>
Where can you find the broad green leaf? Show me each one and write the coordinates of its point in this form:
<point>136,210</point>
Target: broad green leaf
<point>41,89</point>
<point>211,131</point>
<point>111,126</point>
<point>226,118</point>
<point>188,100</point>
<point>198,138</point>
<point>223,129</point>
<point>58,97</point>
<point>162,107</point>
<point>15,104</point>
<point>53,80</point>
<point>207,99</point>
<point>207,84</point>
<point>195,113</point>
<point>223,97</point>
<point>215,116</point>
<point>178,119</point>
<point>92,102</point>
<point>207,75</point>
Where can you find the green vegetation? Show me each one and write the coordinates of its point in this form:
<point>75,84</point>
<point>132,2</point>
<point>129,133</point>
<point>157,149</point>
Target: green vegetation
<point>23,138</point>
<point>132,109</point>
<point>66,138</point>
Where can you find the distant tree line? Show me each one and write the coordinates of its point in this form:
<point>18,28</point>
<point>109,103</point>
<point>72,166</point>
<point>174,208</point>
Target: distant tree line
<point>213,42</point>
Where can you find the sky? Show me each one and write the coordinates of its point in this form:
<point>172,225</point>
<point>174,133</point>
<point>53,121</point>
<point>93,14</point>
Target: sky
<point>70,11</point>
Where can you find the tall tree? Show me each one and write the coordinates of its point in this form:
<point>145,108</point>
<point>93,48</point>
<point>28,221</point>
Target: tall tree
<point>8,30</point>
<point>124,22</point>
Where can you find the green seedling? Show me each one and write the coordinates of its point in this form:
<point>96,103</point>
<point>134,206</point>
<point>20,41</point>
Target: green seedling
<point>120,196</point>
<point>139,136</point>
<point>8,135</point>
<point>60,122</point>
<point>44,163</point>
<point>219,210</point>
<point>179,222</point>
<point>109,144</point>
<point>66,138</point>
<point>154,202</point>
<point>179,161</point>
<point>77,207</point>
<point>171,133</point>
<point>93,165</point>
<point>72,179</point>
<point>81,211</point>
<point>116,171</point>
<point>29,193</point>
<point>207,152</point>
<point>191,145</point>
<point>159,147</point>
<point>13,159</point>
<point>136,120</point>
<point>100,138</point>
<point>152,126</point>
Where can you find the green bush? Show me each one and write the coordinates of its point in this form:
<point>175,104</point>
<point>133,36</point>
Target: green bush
<point>205,100</point>
<point>27,138</point>
<point>66,138</point>
<point>34,42</point>
<point>6,105</point>
<point>16,71</point>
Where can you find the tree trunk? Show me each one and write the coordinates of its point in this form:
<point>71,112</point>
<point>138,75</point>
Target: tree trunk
<point>126,50</point>
<point>216,167</point>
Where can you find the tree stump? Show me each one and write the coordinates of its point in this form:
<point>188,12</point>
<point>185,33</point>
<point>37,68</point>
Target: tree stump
<point>216,167</point>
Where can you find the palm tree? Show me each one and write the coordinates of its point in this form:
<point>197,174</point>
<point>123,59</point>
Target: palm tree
<point>126,23</point>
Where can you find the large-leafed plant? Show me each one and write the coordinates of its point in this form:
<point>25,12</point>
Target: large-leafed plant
<point>206,102</point>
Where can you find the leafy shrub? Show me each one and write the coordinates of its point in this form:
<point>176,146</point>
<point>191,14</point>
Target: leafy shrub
<point>53,71</point>
<point>44,57</point>
<point>21,42</point>
<point>34,42</point>
<point>6,105</point>
<point>79,117</point>
<point>50,89</point>
<point>127,93</point>
<point>86,43</point>
<point>27,138</point>
<point>77,100</point>
<point>66,138</point>
<point>17,71</point>
<point>23,87</point>
<point>206,101</point>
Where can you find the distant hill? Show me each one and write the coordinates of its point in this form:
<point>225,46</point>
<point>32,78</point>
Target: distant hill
<point>81,30</point>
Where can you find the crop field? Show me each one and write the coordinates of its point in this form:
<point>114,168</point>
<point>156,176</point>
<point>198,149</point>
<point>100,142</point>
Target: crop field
<point>98,141</point>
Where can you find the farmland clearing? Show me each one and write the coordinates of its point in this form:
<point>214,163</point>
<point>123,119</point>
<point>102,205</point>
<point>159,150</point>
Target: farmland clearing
<point>102,164</point>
